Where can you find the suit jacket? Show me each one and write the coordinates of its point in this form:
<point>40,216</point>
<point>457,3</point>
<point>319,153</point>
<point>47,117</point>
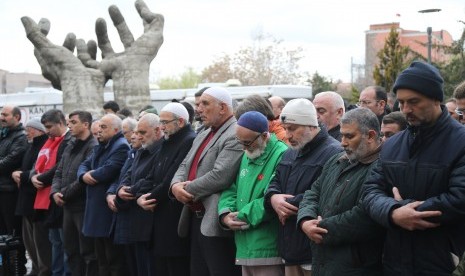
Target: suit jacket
<point>105,162</point>
<point>132,223</point>
<point>216,171</point>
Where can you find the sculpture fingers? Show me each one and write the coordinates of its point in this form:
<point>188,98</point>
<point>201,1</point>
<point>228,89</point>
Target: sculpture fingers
<point>34,33</point>
<point>153,27</point>
<point>84,56</point>
<point>47,71</point>
<point>145,12</point>
<point>123,30</point>
<point>92,49</point>
<point>44,26</point>
<point>102,38</point>
<point>70,42</point>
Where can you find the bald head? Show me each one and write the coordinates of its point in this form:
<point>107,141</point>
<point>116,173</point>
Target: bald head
<point>277,103</point>
<point>110,125</point>
<point>329,106</point>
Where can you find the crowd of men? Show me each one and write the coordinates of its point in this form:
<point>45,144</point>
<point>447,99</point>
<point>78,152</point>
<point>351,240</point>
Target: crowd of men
<point>263,188</point>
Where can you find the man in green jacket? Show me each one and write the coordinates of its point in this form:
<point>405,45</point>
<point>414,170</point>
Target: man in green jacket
<point>241,207</point>
<point>345,241</point>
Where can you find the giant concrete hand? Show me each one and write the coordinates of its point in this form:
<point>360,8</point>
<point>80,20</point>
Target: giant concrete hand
<point>130,68</point>
<point>81,86</point>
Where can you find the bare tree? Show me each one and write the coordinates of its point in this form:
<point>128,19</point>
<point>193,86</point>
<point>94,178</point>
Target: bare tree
<point>266,62</point>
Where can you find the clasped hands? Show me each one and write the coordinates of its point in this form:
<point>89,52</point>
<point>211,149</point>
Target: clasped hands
<point>409,218</point>
<point>233,223</point>
<point>180,193</point>
<point>283,208</point>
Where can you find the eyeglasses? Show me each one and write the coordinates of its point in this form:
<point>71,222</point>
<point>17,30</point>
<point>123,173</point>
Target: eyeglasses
<point>364,103</point>
<point>459,111</point>
<point>247,143</point>
<point>165,122</point>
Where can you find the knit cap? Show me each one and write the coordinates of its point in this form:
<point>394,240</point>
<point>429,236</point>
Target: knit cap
<point>299,112</point>
<point>152,110</point>
<point>254,121</point>
<point>422,78</point>
<point>35,123</point>
<point>177,109</point>
<point>221,94</point>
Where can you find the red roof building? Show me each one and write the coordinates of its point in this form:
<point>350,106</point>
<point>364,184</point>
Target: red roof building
<point>415,40</point>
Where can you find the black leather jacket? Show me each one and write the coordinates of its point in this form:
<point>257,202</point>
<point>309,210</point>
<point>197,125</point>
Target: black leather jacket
<point>13,145</point>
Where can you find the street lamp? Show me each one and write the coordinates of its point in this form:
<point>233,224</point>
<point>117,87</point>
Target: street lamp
<point>429,31</point>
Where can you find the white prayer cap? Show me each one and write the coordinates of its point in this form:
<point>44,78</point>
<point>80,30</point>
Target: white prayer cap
<point>177,109</point>
<point>221,94</point>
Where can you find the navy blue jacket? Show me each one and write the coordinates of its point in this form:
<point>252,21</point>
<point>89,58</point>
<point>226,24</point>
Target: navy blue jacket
<point>105,162</point>
<point>425,164</point>
<point>127,165</point>
<point>132,223</point>
<point>294,175</point>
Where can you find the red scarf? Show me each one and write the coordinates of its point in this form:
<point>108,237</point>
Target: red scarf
<point>46,159</point>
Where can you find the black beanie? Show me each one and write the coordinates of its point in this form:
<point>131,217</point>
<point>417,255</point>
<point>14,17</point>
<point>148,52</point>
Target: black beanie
<point>422,78</point>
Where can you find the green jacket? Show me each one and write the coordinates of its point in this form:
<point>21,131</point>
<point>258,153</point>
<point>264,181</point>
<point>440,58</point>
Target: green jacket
<point>353,244</point>
<point>258,244</point>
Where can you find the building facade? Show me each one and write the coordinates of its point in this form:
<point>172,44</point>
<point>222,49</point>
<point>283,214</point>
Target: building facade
<point>18,82</point>
<point>416,40</point>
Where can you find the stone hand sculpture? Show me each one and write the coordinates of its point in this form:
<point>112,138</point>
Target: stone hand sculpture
<point>129,69</point>
<point>81,86</point>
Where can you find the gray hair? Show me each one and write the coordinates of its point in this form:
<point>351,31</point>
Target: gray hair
<point>116,121</point>
<point>364,118</point>
<point>131,123</point>
<point>336,99</point>
<point>255,103</point>
<point>152,119</point>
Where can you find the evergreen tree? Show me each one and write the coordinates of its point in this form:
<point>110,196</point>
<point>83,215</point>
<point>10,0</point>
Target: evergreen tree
<point>321,84</point>
<point>453,71</point>
<point>354,94</point>
<point>391,61</point>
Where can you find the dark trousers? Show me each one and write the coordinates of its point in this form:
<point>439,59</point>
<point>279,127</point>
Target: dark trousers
<point>80,249</point>
<point>28,240</point>
<point>214,256</point>
<point>144,259</point>
<point>172,266</point>
<point>130,256</point>
<point>9,223</point>
<point>111,259</point>
<point>39,246</point>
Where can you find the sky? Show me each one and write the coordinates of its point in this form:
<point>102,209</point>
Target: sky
<point>331,32</point>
